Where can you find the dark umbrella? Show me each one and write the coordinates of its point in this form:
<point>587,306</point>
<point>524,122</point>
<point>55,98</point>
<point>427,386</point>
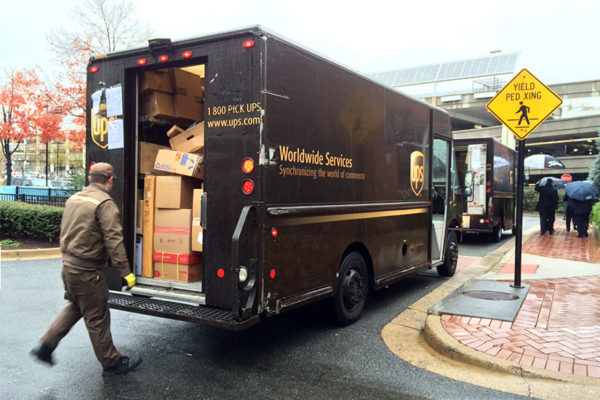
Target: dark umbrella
<point>557,183</point>
<point>543,161</point>
<point>581,190</point>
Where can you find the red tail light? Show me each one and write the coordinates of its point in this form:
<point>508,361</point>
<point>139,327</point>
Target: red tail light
<point>274,232</point>
<point>272,274</point>
<point>488,183</point>
<point>488,190</point>
<point>220,272</point>
<point>248,186</point>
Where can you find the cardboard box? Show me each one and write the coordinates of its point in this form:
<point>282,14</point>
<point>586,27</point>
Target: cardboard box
<point>187,95</point>
<point>146,155</point>
<point>172,258</point>
<point>148,225</point>
<point>174,131</point>
<point>177,272</point>
<point>173,231</point>
<point>158,105</point>
<point>180,163</point>
<point>174,191</point>
<point>197,235</point>
<point>190,141</point>
<point>160,81</point>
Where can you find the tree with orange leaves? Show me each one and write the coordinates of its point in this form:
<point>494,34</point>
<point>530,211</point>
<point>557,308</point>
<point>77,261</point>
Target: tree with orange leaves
<point>25,112</point>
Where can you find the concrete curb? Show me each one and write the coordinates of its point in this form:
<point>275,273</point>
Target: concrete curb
<point>30,254</point>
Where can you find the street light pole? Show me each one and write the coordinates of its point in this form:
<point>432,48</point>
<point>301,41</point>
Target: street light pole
<point>47,164</point>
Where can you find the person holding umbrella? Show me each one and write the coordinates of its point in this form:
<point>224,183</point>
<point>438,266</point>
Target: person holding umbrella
<point>569,212</point>
<point>581,212</point>
<point>583,194</point>
<point>546,206</point>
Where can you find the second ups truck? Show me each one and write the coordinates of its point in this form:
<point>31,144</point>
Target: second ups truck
<point>255,177</point>
<point>486,169</point>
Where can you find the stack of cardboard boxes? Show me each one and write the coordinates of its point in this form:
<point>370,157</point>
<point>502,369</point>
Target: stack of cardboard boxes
<point>170,221</point>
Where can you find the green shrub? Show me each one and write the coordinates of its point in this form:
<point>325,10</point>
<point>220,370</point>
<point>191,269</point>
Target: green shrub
<point>596,216</point>
<point>27,220</point>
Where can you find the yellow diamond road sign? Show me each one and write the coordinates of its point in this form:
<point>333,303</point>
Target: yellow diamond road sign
<point>523,104</point>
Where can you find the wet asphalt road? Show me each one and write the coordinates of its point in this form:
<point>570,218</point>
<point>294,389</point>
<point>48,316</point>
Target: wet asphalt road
<point>298,355</point>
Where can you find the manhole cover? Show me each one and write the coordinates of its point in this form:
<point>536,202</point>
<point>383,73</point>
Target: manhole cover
<point>490,295</point>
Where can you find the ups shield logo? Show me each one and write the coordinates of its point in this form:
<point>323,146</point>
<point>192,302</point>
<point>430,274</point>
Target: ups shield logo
<point>417,172</point>
<point>100,127</point>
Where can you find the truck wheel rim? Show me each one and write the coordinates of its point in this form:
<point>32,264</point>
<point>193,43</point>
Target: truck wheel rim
<point>353,289</point>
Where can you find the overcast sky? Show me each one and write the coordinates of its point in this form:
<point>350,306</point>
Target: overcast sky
<point>558,40</point>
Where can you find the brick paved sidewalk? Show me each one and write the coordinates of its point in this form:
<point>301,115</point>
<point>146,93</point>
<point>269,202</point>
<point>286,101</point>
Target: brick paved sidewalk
<point>558,325</point>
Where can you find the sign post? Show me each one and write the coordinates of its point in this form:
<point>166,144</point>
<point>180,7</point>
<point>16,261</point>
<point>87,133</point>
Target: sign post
<point>522,105</point>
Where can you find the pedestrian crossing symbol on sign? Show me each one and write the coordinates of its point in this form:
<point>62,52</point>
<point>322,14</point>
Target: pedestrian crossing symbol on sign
<point>523,104</point>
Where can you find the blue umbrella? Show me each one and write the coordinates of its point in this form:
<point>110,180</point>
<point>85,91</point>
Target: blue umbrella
<point>581,190</point>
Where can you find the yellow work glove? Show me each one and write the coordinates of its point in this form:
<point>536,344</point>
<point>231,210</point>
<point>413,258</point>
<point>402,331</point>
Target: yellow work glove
<point>130,279</point>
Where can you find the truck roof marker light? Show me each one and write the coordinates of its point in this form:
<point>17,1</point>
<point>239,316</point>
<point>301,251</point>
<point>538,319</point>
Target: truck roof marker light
<point>248,165</point>
<point>248,44</point>
<point>274,232</point>
<point>163,58</point>
<point>272,274</point>
<point>94,69</point>
<point>186,54</point>
<point>248,186</point>
<point>142,61</point>
<point>221,273</point>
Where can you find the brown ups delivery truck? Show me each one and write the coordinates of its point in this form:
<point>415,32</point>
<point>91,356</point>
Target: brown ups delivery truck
<point>255,176</point>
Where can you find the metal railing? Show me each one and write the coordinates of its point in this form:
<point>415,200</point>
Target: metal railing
<point>42,196</point>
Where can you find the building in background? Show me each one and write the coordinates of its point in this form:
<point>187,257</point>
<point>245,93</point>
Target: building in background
<point>464,88</point>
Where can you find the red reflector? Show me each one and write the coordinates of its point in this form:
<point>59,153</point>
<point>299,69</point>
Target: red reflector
<point>272,274</point>
<point>248,186</point>
<point>163,58</point>
<point>142,61</point>
<point>248,44</point>
<point>186,54</point>
<point>220,273</point>
<point>94,69</point>
<point>248,165</point>
<point>274,232</point>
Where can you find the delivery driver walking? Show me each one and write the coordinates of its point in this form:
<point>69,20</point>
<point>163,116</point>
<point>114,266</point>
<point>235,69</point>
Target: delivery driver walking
<point>90,233</point>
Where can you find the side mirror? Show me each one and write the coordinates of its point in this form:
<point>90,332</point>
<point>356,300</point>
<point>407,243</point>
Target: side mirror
<point>468,192</point>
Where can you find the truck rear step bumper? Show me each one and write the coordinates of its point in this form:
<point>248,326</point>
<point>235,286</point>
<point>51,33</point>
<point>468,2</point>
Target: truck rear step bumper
<point>184,312</point>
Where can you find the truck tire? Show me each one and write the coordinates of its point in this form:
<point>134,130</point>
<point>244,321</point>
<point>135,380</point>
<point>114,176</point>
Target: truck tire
<point>497,233</point>
<point>448,268</point>
<point>352,289</point>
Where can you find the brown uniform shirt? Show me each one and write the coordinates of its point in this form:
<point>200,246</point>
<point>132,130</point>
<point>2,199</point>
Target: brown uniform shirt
<point>91,232</point>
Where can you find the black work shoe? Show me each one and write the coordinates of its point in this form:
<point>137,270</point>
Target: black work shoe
<point>43,353</point>
<point>123,366</point>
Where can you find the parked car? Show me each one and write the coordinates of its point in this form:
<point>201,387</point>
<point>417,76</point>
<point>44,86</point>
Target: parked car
<point>18,181</point>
